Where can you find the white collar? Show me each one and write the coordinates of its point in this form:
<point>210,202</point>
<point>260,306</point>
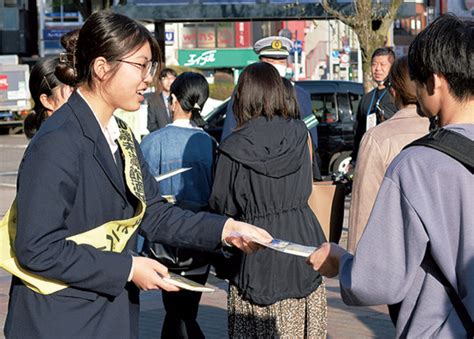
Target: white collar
<point>185,123</point>
<point>111,132</point>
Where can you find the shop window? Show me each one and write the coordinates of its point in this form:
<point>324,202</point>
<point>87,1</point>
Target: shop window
<point>59,12</point>
<point>225,35</point>
<point>10,3</point>
<point>206,36</point>
<point>188,36</point>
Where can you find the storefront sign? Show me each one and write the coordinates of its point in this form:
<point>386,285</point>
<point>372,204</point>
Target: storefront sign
<point>169,38</point>
<point>243,34</point>
<point>3,82</point>
<point>216,58</point>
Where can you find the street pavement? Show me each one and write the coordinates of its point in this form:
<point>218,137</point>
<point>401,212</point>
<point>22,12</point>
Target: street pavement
<point>343,321</point>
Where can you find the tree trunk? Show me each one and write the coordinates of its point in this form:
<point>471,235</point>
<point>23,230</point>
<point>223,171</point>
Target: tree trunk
<point>370,27</point>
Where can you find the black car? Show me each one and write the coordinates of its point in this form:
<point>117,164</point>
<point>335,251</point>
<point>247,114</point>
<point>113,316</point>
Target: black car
<point>334,106</point>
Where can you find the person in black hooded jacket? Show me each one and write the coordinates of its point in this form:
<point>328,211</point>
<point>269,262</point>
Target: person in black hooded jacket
<point>263,176</point>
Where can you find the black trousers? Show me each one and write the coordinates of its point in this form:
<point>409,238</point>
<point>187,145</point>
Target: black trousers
<point>181,312</point>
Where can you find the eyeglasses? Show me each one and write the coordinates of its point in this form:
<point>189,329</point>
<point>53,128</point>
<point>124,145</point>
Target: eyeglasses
<point>148,68</point>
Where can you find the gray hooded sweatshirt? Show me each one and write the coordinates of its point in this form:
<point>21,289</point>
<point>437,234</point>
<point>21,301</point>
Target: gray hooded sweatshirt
<point>426,198</point>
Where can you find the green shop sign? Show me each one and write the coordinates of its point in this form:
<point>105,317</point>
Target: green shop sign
<point>216,58</point>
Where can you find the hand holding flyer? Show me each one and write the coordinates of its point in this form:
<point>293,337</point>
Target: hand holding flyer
<point>184,283</point>
<point>284,246</point>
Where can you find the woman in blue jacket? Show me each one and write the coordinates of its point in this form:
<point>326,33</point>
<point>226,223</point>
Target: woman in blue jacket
<point>182,144</point>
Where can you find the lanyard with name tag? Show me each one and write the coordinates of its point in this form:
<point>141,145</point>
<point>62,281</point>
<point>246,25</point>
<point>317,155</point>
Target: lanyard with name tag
<point>372,117</point>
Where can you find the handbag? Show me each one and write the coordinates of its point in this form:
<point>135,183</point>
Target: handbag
<point>327,203</point>
<point>179,260</point>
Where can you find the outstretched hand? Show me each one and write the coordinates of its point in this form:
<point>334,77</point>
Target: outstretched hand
<point>326,259</point>
<point>148,275</point>
<point>242,235</point>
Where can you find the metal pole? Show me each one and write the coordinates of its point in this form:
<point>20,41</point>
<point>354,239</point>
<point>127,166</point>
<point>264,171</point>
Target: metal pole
<point>40,4</point>
<point>303,64</point>
<point>297,68</point>
<point>359,64</point>
<point>330,76</point>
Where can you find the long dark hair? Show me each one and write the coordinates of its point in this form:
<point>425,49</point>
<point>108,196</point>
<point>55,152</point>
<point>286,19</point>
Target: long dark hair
<point>108,35</point>
<point>42,81</point>
<point>191,90</point>
<point>259,92</point>
<point>401,82</point>
<point>291,101</point>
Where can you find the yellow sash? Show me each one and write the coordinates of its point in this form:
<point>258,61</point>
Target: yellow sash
<point>111,236</point>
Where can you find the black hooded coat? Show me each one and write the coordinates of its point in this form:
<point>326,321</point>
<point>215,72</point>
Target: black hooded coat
<point>263,177</point>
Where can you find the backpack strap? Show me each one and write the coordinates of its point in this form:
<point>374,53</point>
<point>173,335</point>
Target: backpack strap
<point>430,265</point>
<point>461,149</point>
<point>451,143</point>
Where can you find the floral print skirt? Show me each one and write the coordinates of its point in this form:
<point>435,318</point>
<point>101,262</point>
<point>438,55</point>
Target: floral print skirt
<point>288,318</point>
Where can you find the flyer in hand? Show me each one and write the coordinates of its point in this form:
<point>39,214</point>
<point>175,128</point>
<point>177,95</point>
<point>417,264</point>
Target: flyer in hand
<point>171,173</point>
<point>283,246</point>
<point>289,247</point>
<point>184,283</point>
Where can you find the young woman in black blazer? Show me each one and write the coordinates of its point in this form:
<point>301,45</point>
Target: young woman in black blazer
<point>71,181</point>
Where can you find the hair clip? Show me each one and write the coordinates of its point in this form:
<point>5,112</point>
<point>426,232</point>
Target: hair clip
<point>67,58</point>
<point>47,82</point>
<point>196,105</point>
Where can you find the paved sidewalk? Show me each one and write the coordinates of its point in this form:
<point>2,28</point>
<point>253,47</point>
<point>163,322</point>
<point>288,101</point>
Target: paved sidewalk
<point>343,321</point>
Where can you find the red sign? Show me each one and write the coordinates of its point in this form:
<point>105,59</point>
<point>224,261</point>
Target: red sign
<point>243,34</point>
<point>3,82</point>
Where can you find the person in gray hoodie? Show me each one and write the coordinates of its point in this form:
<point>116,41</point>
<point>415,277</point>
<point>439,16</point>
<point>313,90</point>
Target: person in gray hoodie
<point>424,209</point>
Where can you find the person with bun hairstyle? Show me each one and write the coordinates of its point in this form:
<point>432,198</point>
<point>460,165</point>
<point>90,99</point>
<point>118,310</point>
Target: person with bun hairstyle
<point>48,94</point>
<point>182,144</point>
<point>47,91</point>
<point>84,191</point>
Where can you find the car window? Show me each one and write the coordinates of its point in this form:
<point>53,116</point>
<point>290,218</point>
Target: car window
<point>215,121</point>
<point>354,103</point>
<point>344,107</point>
<point>324,107</point>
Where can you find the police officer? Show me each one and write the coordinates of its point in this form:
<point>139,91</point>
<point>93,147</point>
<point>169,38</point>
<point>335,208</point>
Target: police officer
<point>275,51</point>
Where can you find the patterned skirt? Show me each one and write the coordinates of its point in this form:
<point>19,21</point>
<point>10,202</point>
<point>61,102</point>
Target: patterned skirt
<point>288,318</point>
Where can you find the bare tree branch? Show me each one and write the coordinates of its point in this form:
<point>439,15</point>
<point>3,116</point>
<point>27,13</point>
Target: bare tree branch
<point>348,20</point>
<point>371,23</point>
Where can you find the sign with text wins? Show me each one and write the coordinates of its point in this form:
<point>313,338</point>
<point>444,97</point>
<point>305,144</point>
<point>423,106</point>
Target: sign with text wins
<point>216,58</point>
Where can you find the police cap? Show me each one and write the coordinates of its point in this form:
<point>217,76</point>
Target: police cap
<point>273,47</point>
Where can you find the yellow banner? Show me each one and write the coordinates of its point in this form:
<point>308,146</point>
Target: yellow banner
<point>111,236</point>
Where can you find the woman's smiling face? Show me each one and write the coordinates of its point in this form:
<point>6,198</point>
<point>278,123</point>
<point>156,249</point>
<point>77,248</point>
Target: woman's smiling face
<point>125,87</point>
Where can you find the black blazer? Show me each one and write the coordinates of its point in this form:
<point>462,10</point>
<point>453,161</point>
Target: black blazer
<point>68,183</point>
<point>157,114</point>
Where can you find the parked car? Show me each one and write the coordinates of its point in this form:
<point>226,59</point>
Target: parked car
<point>334,106</point>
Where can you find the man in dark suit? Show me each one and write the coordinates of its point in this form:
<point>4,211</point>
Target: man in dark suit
<point>159,114</point>
<point>377,105</point>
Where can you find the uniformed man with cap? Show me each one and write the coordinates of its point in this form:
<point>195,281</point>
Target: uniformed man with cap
<point>275,51</point>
